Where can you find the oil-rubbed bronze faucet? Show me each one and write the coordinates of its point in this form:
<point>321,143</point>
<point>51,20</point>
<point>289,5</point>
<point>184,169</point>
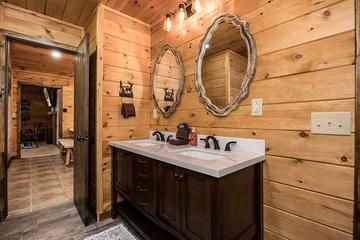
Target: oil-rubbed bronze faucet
<point>215,141</point>
<point>159,136</point>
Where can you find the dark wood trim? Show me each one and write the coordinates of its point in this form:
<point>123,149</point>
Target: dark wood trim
<point>6,110</point>
<point>357,126</point>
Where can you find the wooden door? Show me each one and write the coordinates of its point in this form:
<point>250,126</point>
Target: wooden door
<point>169,195</point>
<point>196,205</point>
<point>81,129</point>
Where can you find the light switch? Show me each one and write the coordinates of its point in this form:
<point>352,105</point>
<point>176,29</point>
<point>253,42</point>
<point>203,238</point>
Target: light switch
<point>155,114</point>
<point>332,123</point>
<point>256,107</point>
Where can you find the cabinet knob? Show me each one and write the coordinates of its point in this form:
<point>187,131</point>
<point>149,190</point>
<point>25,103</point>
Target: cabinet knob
<point>142,175</point>
<point>141,161</point>
<point>142,189</point>
<point>142,203</point>
<point>176,175</point>
<point>181,176</point>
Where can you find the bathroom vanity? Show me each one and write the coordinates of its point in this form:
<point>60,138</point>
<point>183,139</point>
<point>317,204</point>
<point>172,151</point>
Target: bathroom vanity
<point>191,192</point>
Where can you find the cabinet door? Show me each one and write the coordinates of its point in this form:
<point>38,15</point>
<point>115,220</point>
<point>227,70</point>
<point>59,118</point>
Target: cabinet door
<point>169,195</point>
<point>196,204</point>
<point>144,184</point>
<point>123,171</point>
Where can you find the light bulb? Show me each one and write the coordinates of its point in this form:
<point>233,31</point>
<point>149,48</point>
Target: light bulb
<point>167,24</point>
<point>182,13</point>
<point>56,54</point>
<point>196,6</point>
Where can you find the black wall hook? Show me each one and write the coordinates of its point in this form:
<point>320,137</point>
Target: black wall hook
<point>126,90</point>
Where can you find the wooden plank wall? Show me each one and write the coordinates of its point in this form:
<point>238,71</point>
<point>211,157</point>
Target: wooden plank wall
<point>43,80</point>
<point>305,64</point>
<point>125,48</point>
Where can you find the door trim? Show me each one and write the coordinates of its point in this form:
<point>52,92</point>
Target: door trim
<point>357,125</point>
<point>9,37</point>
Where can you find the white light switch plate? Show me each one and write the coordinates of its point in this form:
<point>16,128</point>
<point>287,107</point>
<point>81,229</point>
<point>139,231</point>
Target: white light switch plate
<point>256,107</point>
<point>155,114</point>
<point>332,123</point>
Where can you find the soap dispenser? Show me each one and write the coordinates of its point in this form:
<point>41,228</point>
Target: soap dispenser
<point>193,137</point>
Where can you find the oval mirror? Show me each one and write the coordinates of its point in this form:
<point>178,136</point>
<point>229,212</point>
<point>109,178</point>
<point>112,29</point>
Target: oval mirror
<point>225,65</point>
<point>167,80</point>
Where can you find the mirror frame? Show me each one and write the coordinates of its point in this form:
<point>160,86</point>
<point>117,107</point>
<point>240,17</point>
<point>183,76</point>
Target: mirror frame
<point>179,62</point>
<point>251,50</point>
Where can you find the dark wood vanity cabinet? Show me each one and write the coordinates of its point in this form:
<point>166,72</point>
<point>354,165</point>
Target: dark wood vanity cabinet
<point>188,204</point>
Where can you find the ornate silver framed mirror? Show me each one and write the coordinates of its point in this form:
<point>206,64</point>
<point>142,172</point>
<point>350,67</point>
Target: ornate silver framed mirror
<point>225,65</point>
<point>167,80</point>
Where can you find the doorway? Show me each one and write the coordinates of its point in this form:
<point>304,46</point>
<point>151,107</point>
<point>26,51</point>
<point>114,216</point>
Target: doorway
<point>56,72</point>
<point>40,115</point>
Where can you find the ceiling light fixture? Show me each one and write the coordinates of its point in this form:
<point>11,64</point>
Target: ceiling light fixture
<point>56,54</point>
<point>196,6</point>
<point>168,23</point>
<point>182,12</point>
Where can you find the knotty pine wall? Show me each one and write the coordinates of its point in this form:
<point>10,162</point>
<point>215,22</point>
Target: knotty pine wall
<point>124,53</point>
<point>305,64</point>
<point>42,80</point>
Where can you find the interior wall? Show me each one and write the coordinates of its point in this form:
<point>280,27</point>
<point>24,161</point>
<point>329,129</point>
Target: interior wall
<point>123,55</point>
<point>43,80</point>
<point>305,63</point>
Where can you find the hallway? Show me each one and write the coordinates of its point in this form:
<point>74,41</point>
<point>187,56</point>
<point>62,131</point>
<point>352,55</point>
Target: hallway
<point>36,183</point>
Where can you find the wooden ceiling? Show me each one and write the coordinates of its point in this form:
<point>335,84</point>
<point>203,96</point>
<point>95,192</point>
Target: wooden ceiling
<point>79,11</point>
<point>145,10</point>
<point>73,11</point>
<point>37,59</point>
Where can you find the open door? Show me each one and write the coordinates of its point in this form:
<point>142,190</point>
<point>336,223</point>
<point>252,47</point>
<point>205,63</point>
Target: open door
<point>81,129</point>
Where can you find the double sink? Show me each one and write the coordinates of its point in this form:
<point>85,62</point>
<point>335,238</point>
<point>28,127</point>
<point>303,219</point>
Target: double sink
<point>202,155</point>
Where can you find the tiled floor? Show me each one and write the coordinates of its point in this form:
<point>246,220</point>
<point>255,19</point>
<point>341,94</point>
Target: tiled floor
<point>37,183</point>
<point>43,150</point>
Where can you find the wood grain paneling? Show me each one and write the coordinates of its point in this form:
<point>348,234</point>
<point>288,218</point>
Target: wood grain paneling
<point>29,23</point>
<point>298,228</point>
<point>38,59</point>
<point>305,64</point>
<point>76,12</point>
<point>144,10</point>
<point>126,57</point>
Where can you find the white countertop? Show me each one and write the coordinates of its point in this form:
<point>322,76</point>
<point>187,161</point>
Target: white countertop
<point>228,163</point>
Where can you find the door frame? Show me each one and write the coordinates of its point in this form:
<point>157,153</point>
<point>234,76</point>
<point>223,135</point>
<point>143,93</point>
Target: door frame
<point>357,124</point>
<point>9,37</point>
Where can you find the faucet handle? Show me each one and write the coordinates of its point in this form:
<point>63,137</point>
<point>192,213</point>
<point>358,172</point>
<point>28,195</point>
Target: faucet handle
<point>169,138</point>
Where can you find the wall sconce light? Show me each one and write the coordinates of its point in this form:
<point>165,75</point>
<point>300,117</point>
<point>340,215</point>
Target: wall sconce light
<point>196,6</point>
<point>182,12</point>
<point>167,22</point>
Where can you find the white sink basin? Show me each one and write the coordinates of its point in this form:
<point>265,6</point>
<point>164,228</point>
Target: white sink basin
<point>200,155</point>
<point>146,144</point>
